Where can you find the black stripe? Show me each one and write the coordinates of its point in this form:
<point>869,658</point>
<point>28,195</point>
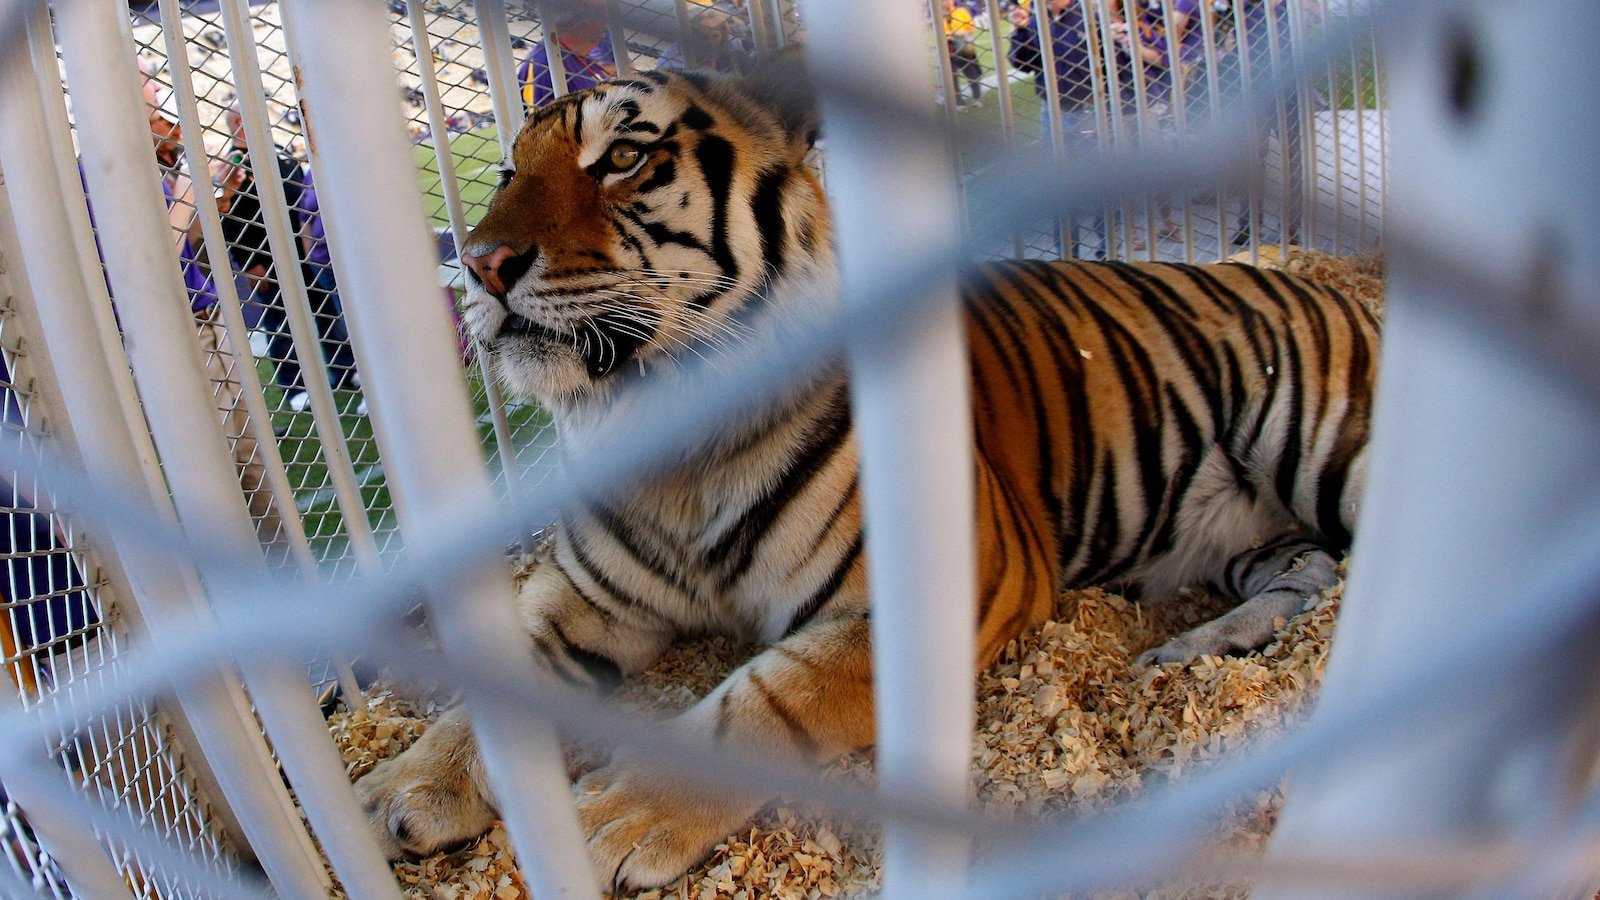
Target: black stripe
<point>797,732</point>
<point>649,557</point>
<point>715,158</point>
<point>604,674</point>
<point>766,204</point>
<point>829,588</point>
<point>663,174</point>
<point>735,551</point>
<point>574,544</point>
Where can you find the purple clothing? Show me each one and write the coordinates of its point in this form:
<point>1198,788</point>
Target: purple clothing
<point>584,71</point>
<point>1153,29</point>
<point>308,214</point>
<point>1074,58</point>
<point>197,282</point>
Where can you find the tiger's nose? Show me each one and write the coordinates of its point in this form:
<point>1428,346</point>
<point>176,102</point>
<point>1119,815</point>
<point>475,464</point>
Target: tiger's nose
<point>499,268</point>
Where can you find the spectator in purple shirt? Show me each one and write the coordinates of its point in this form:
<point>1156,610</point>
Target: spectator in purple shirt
<point>244,226</point>
<point>586,54</point>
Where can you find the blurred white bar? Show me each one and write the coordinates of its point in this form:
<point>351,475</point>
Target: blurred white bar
<point>619,39</point>
<point>405,343</point>
<point>691,49</point>
<point>157,591</point>
<point>1008,114</point>
<point>63,152</point>
<point>451,188</point>
<point>153,306</point>
<point>68,840</point>
<point>1483,454</point>
<point>553,54</point>
<point>500,64</point>
<point>205,208</point>
<point>284,243</point>
<point>914,429</point>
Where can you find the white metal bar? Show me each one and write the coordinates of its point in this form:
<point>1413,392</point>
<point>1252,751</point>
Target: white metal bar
<point>500,64</point>
<point>557,61</point>
<point>88,868</point>
<point>913,428</point>
<point>761,27</point>
<point>145,468</point>
<point>1470,488</point>
<point>616,26</point>
<point>205,208</point>
<point>63,152</point>
<point>1052,109</point>
<point>1214,108</point>
<point>1177,98</point>
<point>952,91</point>
<point>160,593</point>
<point>1008,113</point>
<point>149,289</point>
<point>423,422</point>
<point>285,246</point>
<point>451,187</point>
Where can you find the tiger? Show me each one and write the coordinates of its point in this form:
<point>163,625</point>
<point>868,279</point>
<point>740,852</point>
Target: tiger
<point>1150,426</point>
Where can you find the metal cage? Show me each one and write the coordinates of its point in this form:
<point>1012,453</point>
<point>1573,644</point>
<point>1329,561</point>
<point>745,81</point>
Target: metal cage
<point>246,421</point>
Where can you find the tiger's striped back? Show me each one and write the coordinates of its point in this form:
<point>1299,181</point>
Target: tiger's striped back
<point>1153,420</point>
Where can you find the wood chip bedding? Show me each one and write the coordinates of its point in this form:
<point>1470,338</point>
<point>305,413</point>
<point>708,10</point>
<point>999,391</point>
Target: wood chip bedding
<point>1066,723</point>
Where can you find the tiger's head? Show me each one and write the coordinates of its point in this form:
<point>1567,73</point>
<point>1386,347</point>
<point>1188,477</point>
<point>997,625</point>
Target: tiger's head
<point>647,220</point>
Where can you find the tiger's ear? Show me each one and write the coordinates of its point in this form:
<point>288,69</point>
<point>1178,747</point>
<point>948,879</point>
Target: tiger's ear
<point>781,84</point>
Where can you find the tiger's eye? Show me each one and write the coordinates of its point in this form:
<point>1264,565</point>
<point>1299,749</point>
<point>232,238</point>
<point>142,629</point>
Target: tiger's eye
<point>623,156</point>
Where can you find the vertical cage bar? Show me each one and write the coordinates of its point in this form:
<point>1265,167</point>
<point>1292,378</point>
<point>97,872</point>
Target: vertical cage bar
<point>205,207</point>
<point>285,247</point>
<point>1214,114</point>
<point>500,64</point>
<point>404,341</point>
<point>913,428</point>
<point>42,46</point>
<point>456,212</point>
<point>1008,112</point>
<point>1178,102</point>
<point>149,289</point>
<point>1052,112</point>
<point>616,26</point>
<point>554,55</point>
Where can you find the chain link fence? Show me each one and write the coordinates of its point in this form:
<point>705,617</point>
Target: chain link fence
<point>263,281</point>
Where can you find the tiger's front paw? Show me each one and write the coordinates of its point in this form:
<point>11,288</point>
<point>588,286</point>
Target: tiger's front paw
<point>644,832</point>
<point>1229,634</point>
<point>423,800</point>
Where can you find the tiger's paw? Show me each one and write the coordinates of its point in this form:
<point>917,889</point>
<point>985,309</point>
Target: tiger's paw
<point>1229,634</point>
<point>645,832</point>
<point>423,800</point>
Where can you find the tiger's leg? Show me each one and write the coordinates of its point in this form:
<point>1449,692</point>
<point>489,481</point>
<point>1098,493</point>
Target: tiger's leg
<point>807,698</point>
<point>436,793</point>
<point>1275,581</point>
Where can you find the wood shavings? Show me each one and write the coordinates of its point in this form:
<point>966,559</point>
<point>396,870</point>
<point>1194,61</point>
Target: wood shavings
<point>1066,722</point>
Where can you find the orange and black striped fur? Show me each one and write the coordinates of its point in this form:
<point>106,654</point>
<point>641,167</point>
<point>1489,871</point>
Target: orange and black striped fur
<point>1154,426</point>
